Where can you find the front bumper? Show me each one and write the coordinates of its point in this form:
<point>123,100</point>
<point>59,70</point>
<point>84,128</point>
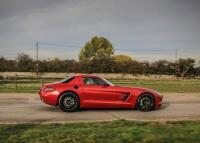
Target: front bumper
<point>159,101</point>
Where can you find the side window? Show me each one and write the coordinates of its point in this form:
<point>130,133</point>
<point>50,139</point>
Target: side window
<point>93,81</point>
<point>88,81</point>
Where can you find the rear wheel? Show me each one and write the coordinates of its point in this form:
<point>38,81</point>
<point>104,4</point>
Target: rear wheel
<point>145,102</point>
<point>69,102</point>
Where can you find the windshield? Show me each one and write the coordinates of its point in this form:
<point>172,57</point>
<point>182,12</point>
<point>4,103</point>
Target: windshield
<point>108,82</point>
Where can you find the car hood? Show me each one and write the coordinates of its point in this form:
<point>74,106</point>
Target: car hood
<point>130,89</point>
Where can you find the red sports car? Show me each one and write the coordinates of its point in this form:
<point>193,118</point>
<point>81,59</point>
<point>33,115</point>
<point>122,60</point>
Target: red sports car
<point>89,91</point>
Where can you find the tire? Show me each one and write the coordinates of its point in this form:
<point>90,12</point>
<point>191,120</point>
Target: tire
<point>145,102</point>
<point>69,102</point>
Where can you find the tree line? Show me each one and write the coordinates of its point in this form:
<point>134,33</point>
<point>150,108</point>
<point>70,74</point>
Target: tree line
<point>23,63</point>
<point>97,56</point>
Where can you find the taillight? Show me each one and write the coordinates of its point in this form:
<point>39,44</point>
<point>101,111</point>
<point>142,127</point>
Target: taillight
<point>48,89</point>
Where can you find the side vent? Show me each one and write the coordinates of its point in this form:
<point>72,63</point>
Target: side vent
<point>124,97</point>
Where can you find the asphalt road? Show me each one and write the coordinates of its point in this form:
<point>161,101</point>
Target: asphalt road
<point>25,107</point>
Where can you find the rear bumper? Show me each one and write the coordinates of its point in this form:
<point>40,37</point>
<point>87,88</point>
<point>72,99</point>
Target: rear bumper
<point>49,97</point>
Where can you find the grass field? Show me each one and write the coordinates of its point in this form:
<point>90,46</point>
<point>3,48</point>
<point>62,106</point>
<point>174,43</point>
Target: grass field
<point>179,86</point>
<point>119,131</point>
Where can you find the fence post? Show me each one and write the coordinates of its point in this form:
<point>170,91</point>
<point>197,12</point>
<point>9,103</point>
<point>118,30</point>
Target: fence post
<point>16,82</point>
<point>42,81</point>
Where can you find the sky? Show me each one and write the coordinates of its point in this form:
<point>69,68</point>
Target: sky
<point>143,29</point>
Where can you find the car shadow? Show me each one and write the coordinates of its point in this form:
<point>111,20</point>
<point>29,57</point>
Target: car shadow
<point>164,106</point>
<point>57,109</point>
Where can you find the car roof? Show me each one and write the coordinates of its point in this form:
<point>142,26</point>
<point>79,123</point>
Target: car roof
<point>86,75</point>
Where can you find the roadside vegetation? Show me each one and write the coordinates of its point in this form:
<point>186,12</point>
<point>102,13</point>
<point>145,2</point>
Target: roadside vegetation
<point>97,132</point>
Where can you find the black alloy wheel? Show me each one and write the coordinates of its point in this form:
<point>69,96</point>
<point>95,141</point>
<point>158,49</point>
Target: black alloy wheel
<point>69,102</point>
<point>145,102</point>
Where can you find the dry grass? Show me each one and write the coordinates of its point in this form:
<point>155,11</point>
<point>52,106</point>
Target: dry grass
<point>105,75</point>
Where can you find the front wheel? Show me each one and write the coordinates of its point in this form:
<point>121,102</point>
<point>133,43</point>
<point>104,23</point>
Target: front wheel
<point>145,102</point>
<point>69,102</point>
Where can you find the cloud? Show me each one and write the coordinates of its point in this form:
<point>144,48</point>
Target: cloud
<point>128,24</point>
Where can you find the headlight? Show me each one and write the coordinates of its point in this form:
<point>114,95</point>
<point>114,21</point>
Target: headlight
<point>48,89</point>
